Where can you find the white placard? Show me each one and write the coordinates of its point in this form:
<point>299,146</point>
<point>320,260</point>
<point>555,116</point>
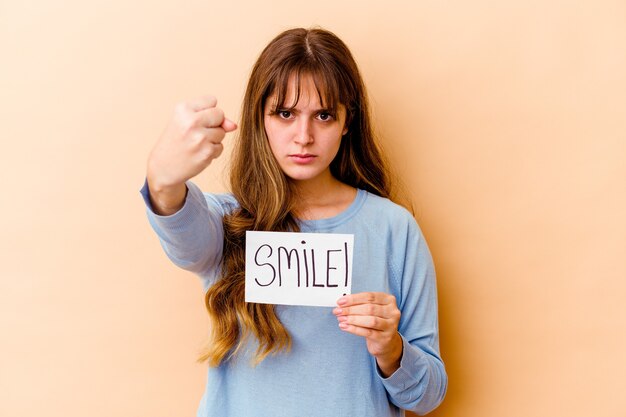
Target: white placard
<point>311,269</point>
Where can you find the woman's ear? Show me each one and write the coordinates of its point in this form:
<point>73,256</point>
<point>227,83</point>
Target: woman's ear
<point>346,123</point>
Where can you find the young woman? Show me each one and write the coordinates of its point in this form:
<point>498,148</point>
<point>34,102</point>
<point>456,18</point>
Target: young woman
<point>305,160</point>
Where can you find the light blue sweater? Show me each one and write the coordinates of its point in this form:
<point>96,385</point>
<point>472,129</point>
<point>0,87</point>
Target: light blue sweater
<point>327,372</point>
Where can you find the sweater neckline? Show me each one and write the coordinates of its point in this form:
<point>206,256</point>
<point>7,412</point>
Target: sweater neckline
<point>330,222</point>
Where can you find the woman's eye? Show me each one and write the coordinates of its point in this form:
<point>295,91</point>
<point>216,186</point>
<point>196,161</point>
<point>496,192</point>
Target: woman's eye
<point>285,114</point>
<point>325,116</point>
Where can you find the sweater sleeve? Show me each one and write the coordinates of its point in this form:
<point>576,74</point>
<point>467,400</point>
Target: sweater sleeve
<point>420,383</point>
<point>193,236</point>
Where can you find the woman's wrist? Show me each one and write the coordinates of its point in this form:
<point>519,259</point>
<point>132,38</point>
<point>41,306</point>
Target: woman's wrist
<point>166,200</point>
<point>390,362</point>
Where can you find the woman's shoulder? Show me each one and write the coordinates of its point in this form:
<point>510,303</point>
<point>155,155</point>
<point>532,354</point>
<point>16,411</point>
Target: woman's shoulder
<point>385,207</point>
<point>384,214</point>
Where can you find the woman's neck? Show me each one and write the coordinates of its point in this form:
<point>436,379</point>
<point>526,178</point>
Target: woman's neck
<point>323,198</point>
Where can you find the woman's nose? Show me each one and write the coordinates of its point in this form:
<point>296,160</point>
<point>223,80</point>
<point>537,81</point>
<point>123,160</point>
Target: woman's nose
<point>304,133</point>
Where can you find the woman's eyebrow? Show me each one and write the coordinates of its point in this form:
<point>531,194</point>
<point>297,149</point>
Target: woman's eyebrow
<point>315,110</point>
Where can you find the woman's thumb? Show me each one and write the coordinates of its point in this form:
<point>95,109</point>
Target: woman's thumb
<point>228,125</point>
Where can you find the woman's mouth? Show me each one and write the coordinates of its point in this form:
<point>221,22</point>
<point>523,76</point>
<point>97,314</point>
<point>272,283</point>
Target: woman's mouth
<point>302,158</point>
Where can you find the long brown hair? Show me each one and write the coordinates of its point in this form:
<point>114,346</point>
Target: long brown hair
<point>264,192</point>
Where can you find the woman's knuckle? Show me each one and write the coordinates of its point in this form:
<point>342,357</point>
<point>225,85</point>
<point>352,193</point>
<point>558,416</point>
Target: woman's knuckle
<point>218,149</point>
<point>215,116</point>
<point>182,110</point>
<point>217,135</point>
<point>185,120</point>
<point>196,136</point>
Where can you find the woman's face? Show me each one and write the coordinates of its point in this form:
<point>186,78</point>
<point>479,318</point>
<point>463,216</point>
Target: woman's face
<point>304,139</point>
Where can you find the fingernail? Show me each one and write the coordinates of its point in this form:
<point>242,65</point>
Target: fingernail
<point>343,325</point>
<point>342,301</point>
<point>337,311</point>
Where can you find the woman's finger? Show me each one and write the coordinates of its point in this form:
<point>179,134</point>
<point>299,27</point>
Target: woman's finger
<point>387,311</point>
<point>359,331</point>
<point>369,322</point>
<point>366,298</point>
<point>201,103</point>
<point>228,125</point>
<point>209,118</point>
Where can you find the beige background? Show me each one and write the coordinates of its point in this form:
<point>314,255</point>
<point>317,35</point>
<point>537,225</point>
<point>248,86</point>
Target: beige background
<point>507,121</point>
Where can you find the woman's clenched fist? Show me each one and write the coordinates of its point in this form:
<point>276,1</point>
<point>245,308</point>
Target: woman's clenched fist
<point>191,140</point>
